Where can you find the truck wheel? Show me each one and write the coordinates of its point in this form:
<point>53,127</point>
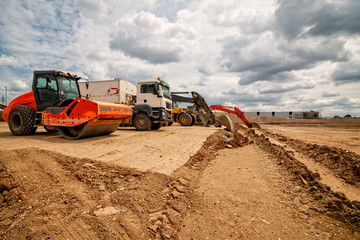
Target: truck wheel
<point>142,122</point>
<point>193,120</point>
<point>21,120</point>
<point>185,119</point>
<point>156,126</point>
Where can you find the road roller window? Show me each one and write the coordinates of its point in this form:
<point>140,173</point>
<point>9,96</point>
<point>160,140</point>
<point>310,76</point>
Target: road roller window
<point>46,88</point>
<point>68,87</point>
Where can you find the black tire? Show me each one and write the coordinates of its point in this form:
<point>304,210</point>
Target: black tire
<point>185,119</point>
<point>193,120</point>
<point>21,120</point>
<point>142,122</point>
<point>156,126</point>
<point>51,130</point>
<point>170,123</point>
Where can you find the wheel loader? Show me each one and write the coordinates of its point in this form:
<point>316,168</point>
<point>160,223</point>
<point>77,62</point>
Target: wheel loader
<point>56,104</point>
<point>199,111</point>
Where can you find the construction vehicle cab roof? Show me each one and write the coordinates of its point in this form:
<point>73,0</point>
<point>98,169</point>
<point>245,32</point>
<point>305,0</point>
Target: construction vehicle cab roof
<point>162,82</point>
<point>57,73</point>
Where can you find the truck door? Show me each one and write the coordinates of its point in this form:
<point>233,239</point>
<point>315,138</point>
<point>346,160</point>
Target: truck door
<point>149,95</point>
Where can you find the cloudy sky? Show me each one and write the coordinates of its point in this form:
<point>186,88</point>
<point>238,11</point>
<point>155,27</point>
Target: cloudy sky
<point>258,55</point>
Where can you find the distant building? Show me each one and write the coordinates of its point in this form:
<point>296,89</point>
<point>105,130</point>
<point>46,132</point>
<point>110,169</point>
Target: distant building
<point>295,115</point>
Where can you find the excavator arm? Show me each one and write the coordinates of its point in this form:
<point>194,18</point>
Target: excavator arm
<point>236,111</point>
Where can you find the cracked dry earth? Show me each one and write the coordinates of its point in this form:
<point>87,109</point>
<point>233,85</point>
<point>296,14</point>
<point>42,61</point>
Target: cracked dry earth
<point>249,185</point>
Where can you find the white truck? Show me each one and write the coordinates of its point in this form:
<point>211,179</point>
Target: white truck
<point>151,99</point>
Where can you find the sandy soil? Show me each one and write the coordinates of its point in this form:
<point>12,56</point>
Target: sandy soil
<point>284,181</point>
<point>160,151</point>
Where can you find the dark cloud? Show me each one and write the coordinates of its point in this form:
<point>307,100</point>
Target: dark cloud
<point>277,89</point>
<point>270,56</point>
<point>347,72</point>
<point>318,18</point>
<point>330,94</point>
<point>183,85</point>
<point>133,47</point>
<point>242,97</point>
<point>202,82</point>
<point>150,38</point>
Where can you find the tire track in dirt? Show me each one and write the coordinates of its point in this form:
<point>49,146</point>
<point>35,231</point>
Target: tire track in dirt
<point>336,181</point>
<point>323,199</point>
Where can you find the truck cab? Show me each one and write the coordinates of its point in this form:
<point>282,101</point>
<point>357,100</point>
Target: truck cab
<point>153,99</point>
<point>157,95</point>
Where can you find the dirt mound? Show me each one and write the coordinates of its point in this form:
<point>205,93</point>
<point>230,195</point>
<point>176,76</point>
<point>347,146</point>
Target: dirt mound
<point>74,198</point>
<point>213,143</point>
<point>9,191</point>
<point>324,200</point>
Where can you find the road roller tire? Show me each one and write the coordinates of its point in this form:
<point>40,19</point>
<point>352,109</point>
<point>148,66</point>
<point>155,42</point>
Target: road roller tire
<point>142,122</point>
<point>21,120</point>
<point>156,126</point>
<point>185,119</point>
<point>84,130</point>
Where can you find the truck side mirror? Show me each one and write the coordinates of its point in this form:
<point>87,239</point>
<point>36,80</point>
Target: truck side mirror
<point>157,90</point>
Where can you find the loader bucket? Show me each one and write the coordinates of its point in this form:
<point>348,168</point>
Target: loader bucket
<point>225,121</point>
<point>83,118</point>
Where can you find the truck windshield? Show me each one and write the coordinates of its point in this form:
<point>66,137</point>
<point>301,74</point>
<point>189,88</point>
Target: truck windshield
<point>68,86</point>
<point>166,91</point>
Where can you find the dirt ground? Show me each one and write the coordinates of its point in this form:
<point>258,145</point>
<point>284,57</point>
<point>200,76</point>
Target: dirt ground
<point>288,180</point>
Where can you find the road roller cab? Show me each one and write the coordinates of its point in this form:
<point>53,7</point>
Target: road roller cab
<point>56,104</point>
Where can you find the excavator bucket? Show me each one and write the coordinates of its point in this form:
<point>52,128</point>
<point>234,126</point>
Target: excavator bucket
<point>225,121</point>
<point>255,125</point>
<point>83,118</point>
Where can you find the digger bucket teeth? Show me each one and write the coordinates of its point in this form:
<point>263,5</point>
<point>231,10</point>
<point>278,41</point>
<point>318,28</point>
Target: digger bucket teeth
<point>255,125</point>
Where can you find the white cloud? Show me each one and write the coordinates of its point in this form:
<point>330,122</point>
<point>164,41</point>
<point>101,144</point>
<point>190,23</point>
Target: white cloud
<point>150,38</point>
<point>11,61</point>
<point>18,85</point>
